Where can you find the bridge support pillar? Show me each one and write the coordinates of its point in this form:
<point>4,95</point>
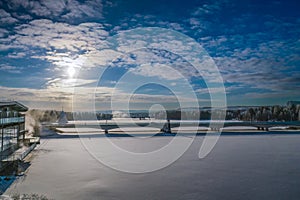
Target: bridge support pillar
<point>167,127</point>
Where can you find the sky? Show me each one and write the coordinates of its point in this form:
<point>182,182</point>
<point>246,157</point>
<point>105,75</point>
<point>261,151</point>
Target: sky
<point>84,54</point>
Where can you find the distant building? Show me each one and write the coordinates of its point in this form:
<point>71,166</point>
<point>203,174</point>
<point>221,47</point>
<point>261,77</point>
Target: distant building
<point>62,119</point>
<point>12,129</point>
<point>140,115</point>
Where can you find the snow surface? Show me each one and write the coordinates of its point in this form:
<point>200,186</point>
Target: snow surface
<point>239,167</point>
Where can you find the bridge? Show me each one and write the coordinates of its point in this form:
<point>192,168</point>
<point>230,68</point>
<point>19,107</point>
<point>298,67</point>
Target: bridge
<point>166,126</point>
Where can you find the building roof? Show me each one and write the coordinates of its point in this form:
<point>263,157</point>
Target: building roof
<point>14,105</point>
<point>62,119</point>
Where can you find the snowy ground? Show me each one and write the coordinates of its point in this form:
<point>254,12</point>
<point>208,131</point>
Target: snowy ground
<point>239,167</point>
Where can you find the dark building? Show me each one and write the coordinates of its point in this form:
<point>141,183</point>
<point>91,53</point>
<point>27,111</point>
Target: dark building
<point>12,129</point>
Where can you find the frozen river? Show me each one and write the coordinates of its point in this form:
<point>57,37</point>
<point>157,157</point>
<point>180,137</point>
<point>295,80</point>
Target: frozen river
<point>239,167</point>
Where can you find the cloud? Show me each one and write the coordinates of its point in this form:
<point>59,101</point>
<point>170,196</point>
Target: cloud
<point>209,9</point>
<point>3,33</point>
<point>157,70</point>
<point>16,55</point>
<point>167,48</point>
<point>279,95</point>
<point>61,44</point>
<point>6,18</point>
<point>10,69</point>
<point>67,83</point>
<point>251,62</point>
<point>60,36</point>
<point>28,94</point>
<point>78,10</point>
<point>210,90</point>
<point>60,10</point>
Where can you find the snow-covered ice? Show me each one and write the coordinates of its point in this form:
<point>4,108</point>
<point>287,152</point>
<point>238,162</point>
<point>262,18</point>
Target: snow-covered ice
<point>239,167</point>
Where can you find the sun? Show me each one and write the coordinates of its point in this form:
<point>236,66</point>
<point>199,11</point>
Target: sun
<point>71,71</point>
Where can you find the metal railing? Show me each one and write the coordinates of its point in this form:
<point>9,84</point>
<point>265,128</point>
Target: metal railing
<point>10,120</point>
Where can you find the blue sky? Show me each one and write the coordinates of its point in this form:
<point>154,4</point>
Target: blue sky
<point>51,50</point>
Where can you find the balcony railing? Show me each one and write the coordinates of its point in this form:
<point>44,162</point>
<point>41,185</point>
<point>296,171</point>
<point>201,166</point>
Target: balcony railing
<point>11,120</point>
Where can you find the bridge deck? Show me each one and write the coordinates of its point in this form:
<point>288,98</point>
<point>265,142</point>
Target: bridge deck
<point>167,126</point>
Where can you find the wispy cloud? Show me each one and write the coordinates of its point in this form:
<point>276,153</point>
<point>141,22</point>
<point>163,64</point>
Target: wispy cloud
<point>10,69</point>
